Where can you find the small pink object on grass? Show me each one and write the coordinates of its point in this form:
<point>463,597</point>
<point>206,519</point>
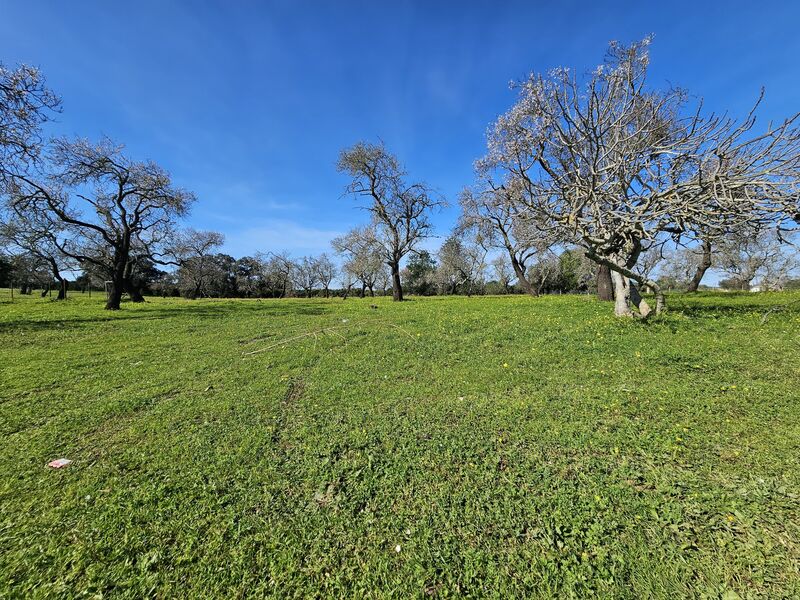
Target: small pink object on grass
<point>58,463</point>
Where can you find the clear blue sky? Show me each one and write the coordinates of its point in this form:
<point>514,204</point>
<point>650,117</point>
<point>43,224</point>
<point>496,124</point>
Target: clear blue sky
<point>248,103</point>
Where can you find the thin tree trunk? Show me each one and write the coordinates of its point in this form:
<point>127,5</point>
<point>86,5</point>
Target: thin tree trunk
<point>705,265</point>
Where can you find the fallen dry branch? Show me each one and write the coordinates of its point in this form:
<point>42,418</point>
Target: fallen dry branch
<point>776,309</point>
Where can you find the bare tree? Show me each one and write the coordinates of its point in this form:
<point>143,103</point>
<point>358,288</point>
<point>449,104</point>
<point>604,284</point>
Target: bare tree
<point>680,267</point>
<point>749,254</point>
<point>701,265</point>
<point>500,220</point>
<point>399,210</point>
<point>307,274</point>
<point>363,256</point>
<point>503,272</point>
<point>383,279</point>
<point>460,264</point>
<point>37,235</point>
<point>193,251</point>
<point>649,261</point>
<point>545,272</point>
<point>116,208</point>
<point>279,271</point>
<point>617,166</point>
<point>326,272</point>
<point>25,104</point>
<point>348,280</point>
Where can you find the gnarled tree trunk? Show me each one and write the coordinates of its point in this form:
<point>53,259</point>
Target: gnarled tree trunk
<point>605,287</point>
<point>117,284</point>
<point>134,289</point>
<point>62,289</point>
<point>622,295</point>
<point>397,288</point>
<point>519,271</point>
<point>626,294</point>
<point>705,265</point>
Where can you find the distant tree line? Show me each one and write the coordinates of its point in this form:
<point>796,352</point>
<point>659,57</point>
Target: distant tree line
<point>593,182</point>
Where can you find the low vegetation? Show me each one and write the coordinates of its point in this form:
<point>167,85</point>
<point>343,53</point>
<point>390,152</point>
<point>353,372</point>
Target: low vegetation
<point>326,448</point>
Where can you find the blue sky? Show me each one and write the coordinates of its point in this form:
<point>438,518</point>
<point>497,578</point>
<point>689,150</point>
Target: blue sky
<point>248,103</point>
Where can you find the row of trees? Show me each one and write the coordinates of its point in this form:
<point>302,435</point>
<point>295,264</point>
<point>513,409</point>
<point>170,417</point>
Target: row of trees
<point>463,268</point>
<point>459,267</point>
<point>589,181</point>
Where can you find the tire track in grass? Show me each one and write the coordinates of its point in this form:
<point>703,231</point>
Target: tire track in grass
<point>294,393</point>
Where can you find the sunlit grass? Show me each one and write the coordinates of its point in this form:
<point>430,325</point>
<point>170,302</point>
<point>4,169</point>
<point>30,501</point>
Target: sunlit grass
<point>499,446</point>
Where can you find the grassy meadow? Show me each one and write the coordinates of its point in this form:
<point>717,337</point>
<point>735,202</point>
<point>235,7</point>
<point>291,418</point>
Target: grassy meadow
<point>441,447</point>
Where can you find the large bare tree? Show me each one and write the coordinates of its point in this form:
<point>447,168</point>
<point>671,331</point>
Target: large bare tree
<point>117,209</point>
<point>616,165</point>
<point>400,210</point>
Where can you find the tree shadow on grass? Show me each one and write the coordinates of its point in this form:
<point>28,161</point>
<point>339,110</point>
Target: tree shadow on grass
<point>731,304</point>
<point>145,312</point>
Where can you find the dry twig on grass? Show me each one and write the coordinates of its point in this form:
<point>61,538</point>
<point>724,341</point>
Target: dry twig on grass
<point>327,330</point>
<point>776,309</point>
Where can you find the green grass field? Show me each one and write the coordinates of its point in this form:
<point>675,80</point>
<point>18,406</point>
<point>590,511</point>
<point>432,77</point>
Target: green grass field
<point>441,447</point>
